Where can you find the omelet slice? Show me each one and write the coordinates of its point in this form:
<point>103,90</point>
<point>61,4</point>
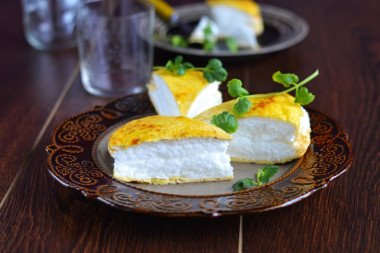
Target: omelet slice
<point>166,150</point>
<point>275,130</point>
<point>187,95</point>
<point>245,11</point>
<point>237,19</point>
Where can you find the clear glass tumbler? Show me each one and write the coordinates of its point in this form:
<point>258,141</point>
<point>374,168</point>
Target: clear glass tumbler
<point>115,43</point>
<point>50,24</point>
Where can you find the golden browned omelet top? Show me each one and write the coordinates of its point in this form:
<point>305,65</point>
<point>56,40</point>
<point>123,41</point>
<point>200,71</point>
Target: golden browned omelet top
<point>279,107</point>
<point>184,88</point>
<point>159,127</point>
<point>246,6</point>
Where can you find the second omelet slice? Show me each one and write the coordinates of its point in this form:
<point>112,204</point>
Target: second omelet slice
<point>187,95</point>
<point>240,20</point>
<point>275,130</point>
<point>242,12</point>
<point>166,150</point>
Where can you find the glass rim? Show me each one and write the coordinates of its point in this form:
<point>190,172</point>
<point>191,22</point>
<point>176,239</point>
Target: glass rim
<point>149,8</point>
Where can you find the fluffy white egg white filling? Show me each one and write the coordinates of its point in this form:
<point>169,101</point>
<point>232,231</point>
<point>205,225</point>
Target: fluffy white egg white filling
<point>191,159</point>
<point>165,103</point>
<point>266,140</point>
<point>209,97</point>
<point>236,24</point>
<point>162,98</point>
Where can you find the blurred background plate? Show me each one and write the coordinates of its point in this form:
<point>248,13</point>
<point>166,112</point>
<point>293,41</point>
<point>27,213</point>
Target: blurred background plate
<point>282,29</point>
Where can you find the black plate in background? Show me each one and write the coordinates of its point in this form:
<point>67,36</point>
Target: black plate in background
<point>282,29</point>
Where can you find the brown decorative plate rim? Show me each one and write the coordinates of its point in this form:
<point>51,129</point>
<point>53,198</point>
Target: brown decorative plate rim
<point>72,163</point>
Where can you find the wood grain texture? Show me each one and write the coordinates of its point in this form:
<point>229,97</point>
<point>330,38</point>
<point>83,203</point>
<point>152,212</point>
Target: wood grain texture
<point>31,81</point>
<point>40,215</point>
<point>344,44</point>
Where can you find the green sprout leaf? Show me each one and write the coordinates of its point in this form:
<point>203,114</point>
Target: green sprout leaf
<point>214,64</point>
<point>214,71</point>
<point>241,106</point>
<point>266,173</point>
<point>170,66</point>
<point>209,42</point>
<point>187,65</point>
<point>180,70</point>
<point>232,44</point>
<point>178,60</point>
<point>303,96</point>
<point>179,41</point>
<point>178,66</point>
<point>263,176</point>
<point>235,88</point>
<point>242,184</point>
<point>225,121</point>
<point>285,79</point>
<point>207,31</point>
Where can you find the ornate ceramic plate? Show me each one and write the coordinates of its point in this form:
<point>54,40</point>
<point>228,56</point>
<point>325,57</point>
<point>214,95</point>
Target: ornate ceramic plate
<point>78,158</point>
<point>282,29</point>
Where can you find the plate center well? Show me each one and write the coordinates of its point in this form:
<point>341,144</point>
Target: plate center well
<point>241,170</point>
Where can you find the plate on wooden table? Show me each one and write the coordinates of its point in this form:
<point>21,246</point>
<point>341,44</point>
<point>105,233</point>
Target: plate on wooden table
<point>78,158</point>
<point>282,29</point>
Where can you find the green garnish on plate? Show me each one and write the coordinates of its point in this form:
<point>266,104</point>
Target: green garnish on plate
<point>213,71</point>
<point>243,104</point>
<point>263,176</point>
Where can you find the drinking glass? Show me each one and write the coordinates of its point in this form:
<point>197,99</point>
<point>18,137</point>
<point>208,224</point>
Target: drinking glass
<point>115,43</point>
<point>49,24</point>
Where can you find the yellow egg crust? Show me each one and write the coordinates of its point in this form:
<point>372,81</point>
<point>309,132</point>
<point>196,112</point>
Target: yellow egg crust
<point>160,127</point>
<point>247,6</point>
<point>278,107</point>
<point>184,88</point>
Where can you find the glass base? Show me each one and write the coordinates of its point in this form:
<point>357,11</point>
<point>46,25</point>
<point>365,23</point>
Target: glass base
<point>54,45</point>
<point>112,94</point>
<point>115,83</point>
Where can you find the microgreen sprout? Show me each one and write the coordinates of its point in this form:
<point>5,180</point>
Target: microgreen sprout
<point>227,120</point>
<point>179,41</point>
<point>209,43</point>
<point>242,104</point>
<point>263,176</point>
<point>232,44</point>
<point>213,71</point>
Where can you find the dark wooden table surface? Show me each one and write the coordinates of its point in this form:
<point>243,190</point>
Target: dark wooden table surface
<point>39,89</point>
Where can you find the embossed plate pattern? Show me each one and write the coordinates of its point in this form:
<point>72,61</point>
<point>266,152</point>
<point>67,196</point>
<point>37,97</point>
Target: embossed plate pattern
<point>72,162</point>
